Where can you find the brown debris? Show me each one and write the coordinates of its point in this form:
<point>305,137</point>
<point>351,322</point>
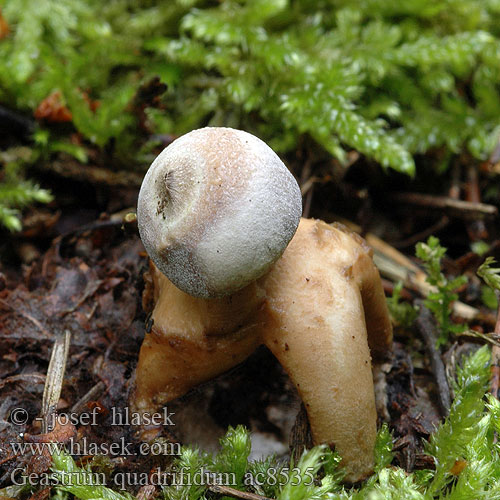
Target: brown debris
<point>475,228</point>
<point>61,433</point>
<point>53,110</point>
<point>96,296</point>
<point>427,329</point>
<point>300,437</point>
<point>91,279</point>
<point>413,412</point>
<point>41,495</point>
<point>232,492</point>
<point>4,27</point>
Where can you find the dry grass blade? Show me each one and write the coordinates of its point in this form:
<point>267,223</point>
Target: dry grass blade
<point>231,492</point>
<point>55,377</point>
<point>491,338</point>
<point>395,266</point>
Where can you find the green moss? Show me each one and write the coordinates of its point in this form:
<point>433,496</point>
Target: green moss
<point>386,78</point>
<point>15,192</point>
<point>439,300</point>
<point>402,313</point>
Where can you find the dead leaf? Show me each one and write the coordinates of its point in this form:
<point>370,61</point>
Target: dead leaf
<point>4,27</point>
<point>53,110</point>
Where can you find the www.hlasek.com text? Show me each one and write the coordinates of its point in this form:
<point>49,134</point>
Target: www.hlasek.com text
<point>84,447</point>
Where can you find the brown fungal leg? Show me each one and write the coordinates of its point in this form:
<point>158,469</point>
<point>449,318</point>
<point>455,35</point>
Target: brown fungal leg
<point>318,333</point>
<point>169,367</point>
<point>327,357</point>
<point>191,341</point>
<point>378,322</point>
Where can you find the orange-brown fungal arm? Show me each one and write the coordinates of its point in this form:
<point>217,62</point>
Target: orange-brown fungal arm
<point>378,321</point>
<point>366,275</point>
<point>192,340</point>
<point>318,334</point>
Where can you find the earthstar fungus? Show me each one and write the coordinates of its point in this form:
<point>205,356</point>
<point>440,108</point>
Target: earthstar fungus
<point>216,211</point>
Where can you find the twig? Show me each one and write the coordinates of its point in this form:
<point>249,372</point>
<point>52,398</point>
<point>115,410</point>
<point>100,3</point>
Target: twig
<point>458,208</point>
<point>454,194</point>
<point>91,395</point>
<point>422,235</point>
<point>454,190</point>
<point>427,329</point>
<point>395,266</point>
<point>495,155</point>
<point>495,358</point>
<point>4,460</point>
<point>91,174</point>
<point>306,186</point>
<point>126,219</point>
<point>476,228</point>
<point>487,337</point>
<point>29,377</point>
<point>308,202</point>
<point>54,381</point>
<point>232,492</point>
<point>129,224</point>
<point>495,370</point>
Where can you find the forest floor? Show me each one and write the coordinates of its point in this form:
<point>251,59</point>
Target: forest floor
<point>75,268</point>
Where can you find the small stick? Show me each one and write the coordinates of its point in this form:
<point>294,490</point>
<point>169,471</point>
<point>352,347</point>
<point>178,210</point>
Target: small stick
<point>423,235</point>
<point>457,208</point>
<point>129,224</point>
<point>427,329</point>
<point>91,174</point>
<point>495,155</point>
<point>397,267</point>
<point>308,202</point>
<point>232,492</point>
<point>487,337</point>
<point>6,459</point>
<point>453,193</point>
<point>495,358</point>
<point>495,370</point>
<point>91,395</point>
<point>127,219</point>
<point>476,228</point>
<point>454,190</point>
<point>306,186</point>
<point>35,378</point>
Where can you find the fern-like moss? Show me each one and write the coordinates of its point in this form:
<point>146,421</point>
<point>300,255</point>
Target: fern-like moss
<point>386,78</point>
